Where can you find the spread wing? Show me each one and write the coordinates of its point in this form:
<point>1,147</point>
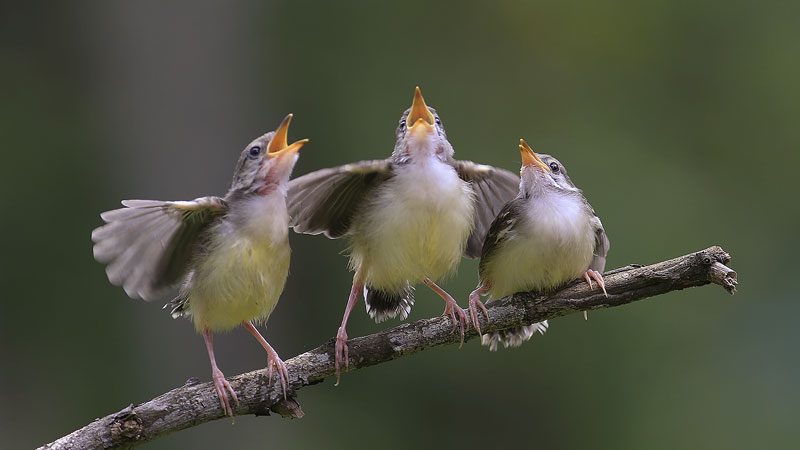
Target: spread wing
<point>494,187</point>
<point>148,244</point>
<point>326,201</point>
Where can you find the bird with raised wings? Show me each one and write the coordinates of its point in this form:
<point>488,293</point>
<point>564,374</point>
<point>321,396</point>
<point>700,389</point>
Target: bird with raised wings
<point>229,254</point>
<point>409,218</point>
<point>547,236</point>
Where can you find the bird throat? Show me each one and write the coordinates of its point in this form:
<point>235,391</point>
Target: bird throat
<point>421,145</point>
<point>268,178</point>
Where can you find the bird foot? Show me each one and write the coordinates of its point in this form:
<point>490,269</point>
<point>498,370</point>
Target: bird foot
<point>475,303</point>
<point>342,353</point>
<point>452,309</point>
<point>274,361</point>
<point>590,275</point>
<point>222,386</point>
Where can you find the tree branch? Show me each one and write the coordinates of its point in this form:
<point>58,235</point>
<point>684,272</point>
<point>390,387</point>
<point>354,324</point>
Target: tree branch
<point>196,403</point>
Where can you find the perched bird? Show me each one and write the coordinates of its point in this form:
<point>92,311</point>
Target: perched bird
<point>409,218</point>
<point>230,254</point>
<point>544,238</point>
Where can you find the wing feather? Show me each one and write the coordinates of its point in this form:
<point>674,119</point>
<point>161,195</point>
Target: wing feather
<point>494,187</point>
<point>148,244</point>
<point>325,201</point>
<point>129,269</point>
<point>501,228</point>
<point>601,246</point>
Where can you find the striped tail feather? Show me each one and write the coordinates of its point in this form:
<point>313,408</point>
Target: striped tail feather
<point>512,337</point>
<point>383,305</point>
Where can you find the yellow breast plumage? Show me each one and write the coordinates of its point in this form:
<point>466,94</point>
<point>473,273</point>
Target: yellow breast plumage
<point>245,269</point>
<point>428,209</point>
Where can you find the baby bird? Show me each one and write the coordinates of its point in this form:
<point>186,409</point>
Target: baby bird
<point>542,239</point>
<point>409,218</point>
<point>230,254</point>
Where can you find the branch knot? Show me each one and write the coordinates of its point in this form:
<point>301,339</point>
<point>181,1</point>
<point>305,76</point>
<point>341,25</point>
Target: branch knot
<point>126,426</point>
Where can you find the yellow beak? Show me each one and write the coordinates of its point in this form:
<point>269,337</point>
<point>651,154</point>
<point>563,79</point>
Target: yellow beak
<point>529,158</point>
<point>279,145</point>
<point>420,117</point>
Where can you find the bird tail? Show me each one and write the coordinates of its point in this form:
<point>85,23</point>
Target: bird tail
<point>179,306</point>
<point>383,305</point>
<point>512,337</point>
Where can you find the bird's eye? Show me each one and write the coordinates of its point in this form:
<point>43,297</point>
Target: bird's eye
<point>554,167</point>
<point>438,121</point>
<point>402,124</point>
<point>255,150</point>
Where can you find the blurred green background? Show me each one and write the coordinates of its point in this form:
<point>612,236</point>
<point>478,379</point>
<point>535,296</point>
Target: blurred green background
<point>679,119</point>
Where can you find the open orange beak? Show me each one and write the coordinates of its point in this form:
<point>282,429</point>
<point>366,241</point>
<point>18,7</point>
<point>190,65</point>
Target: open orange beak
<point>279,145</point>
<point>419,118</point>
<point>529,158</point>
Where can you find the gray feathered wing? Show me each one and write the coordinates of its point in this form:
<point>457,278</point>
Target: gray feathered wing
<point>325,201</point>
<point>494,187</point>
<point>601,246</point>
<point>148,244</point>
<point>501,228</point>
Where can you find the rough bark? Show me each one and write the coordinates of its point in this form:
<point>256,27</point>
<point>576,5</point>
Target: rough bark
<point>196,403</point>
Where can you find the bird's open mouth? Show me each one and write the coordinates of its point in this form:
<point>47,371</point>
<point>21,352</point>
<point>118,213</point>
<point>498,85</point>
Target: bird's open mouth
<point>530,158</point>
<point>420,119</point>
<point>279,145</point>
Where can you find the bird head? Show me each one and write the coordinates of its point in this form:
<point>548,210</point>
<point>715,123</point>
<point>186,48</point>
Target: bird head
<point>542,171</point>
<point>267,162</point>
<point>420,133</point>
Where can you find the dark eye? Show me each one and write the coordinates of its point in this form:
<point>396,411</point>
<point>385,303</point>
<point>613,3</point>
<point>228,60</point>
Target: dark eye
<point>402,124</point>
<point>554,167</point>
<point>255,150</point>
<point>438,122</point>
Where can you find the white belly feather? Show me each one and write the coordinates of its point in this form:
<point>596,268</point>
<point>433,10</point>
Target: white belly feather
<point>554,244</point>
<point>246,268</point>
<point>417,225</point>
